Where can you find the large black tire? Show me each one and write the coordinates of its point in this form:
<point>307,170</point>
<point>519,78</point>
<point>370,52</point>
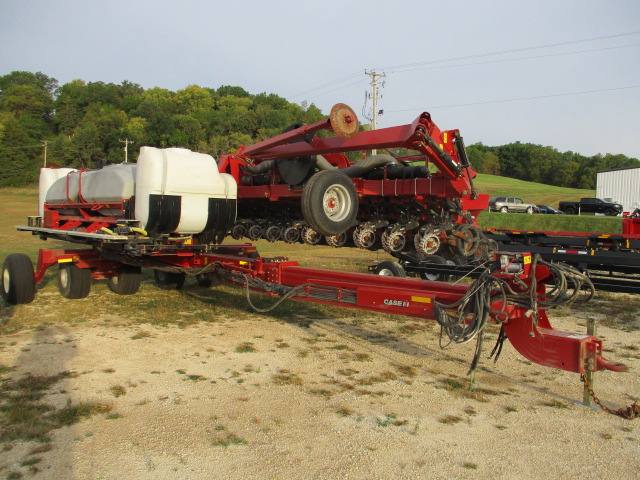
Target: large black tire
<point>169,280</point>
<point>18,281</point>
<point>74,282</point>
<point>329,202</point>
<point>569,211</point>
<point>127,281</point>
<point>389,268</point>
<point>609,212</point>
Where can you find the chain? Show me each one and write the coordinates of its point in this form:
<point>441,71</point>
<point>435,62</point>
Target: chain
<point>630,412</point>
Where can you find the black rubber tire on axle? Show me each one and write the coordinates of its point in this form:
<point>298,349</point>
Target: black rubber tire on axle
<point>18,281</point>
<point>344,200</point>
<point>389,268</point>
<point>169,280</point>
<point>127,281</point>
<point>207,280</point>
<point>74,282</point>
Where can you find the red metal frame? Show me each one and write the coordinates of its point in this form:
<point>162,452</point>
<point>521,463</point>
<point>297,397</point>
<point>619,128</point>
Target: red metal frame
<point>535,339</point>
<point>452,181</point>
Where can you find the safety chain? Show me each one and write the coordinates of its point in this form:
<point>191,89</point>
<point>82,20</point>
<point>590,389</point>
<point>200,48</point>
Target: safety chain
<point>630,412</point>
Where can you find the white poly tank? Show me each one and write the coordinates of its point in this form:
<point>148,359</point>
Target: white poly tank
<point>113,183</point>
<point>180,191</point>
<point>48,176</point>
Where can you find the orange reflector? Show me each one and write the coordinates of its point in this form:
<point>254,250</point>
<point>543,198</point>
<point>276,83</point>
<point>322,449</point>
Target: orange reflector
<point>421,299</point>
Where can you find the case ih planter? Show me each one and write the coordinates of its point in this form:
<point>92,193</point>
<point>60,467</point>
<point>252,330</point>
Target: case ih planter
<point>171,212</point>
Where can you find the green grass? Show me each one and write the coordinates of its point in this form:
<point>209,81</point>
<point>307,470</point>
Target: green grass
<point>538,193</point>
<point>24,416</point>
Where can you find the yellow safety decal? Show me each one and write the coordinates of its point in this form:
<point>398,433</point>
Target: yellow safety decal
<point>441,147</point>
<point>243,262</point>
<point>444,137</point>
<point>188,242</point>
<point>527,259</point>
<point>421,299</point>
<point>65,260</point>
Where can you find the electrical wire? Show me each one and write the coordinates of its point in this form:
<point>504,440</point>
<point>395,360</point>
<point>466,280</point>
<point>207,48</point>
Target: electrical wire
<point>513,59</point>
<point>515,50</point>
<point>505,100</point>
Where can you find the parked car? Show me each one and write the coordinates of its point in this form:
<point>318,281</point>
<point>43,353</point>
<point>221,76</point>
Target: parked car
<point>548,210</point>
<point>510,204</point>
<point>591,205</point>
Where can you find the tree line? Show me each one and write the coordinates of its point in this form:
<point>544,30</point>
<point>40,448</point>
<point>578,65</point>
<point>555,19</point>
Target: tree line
<point>84,123</point>
<point>543,164</point>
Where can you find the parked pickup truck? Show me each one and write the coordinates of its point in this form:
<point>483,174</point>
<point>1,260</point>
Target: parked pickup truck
<point>590,205</point>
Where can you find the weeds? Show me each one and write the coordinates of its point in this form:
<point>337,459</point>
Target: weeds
<point>450,419</point>
<point>246,347</point>
<point>556,404</point>
<point>24,417</point>
<point>390,419</point>
<point>118,390</point>
<point>285,377</point>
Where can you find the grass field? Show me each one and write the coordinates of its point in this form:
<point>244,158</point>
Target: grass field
<point>538,193</point>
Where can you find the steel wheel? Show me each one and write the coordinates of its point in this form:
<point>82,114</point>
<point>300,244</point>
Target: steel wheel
<point>291,235</point>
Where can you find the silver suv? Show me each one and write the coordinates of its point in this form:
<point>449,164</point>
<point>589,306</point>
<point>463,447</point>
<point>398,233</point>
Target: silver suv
<point>510,204</point>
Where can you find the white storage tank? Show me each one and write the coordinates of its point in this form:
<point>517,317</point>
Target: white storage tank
<point>113,183</point>
<point>180,191</point>
<point>621,185</point>
<point>49,176</point>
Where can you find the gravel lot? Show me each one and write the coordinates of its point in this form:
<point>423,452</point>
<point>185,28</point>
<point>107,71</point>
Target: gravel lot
<point>330,398</point>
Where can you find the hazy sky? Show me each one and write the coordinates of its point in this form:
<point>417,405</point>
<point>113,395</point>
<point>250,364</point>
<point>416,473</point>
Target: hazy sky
<point>500,71</point>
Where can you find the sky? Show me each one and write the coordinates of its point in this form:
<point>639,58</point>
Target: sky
<point>563,73</point>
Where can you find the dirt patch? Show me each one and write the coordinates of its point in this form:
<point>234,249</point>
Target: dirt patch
<point>315,398</point>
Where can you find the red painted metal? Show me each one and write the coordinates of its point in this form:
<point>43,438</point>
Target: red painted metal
<point>531,335</point>
<point>423,135</point>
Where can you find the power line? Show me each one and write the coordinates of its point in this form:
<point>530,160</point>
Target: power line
<point>516,59</point>
<point>514,99</point>
<point>328,84</point>
<point>502,52</point>
<point>466,57</point>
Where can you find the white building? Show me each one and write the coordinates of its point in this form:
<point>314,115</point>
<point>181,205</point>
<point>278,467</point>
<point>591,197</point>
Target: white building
<point>621,185</point>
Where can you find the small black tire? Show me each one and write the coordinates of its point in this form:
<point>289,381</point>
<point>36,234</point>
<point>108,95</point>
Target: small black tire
<point>207,280</point>
<point>329,202</point>
<point>609,212</point>
<point>435,260</point>
<point>74,282</point>
<point>127,281</point>
<point>169,280</point>
<point>389,268</point>
<point>18,280</point>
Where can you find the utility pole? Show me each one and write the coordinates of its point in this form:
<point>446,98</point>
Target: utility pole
<point>374,98</point>
<point>126,142</point>
<point>45,143</point>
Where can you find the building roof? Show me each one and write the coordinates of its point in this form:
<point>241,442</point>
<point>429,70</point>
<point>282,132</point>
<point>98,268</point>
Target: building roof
<point>617,169</point>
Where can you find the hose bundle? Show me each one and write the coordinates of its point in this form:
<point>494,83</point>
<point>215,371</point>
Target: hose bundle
<point>465,319</point>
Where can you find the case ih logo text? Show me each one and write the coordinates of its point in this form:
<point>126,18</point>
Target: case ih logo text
<point>396,303</point>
